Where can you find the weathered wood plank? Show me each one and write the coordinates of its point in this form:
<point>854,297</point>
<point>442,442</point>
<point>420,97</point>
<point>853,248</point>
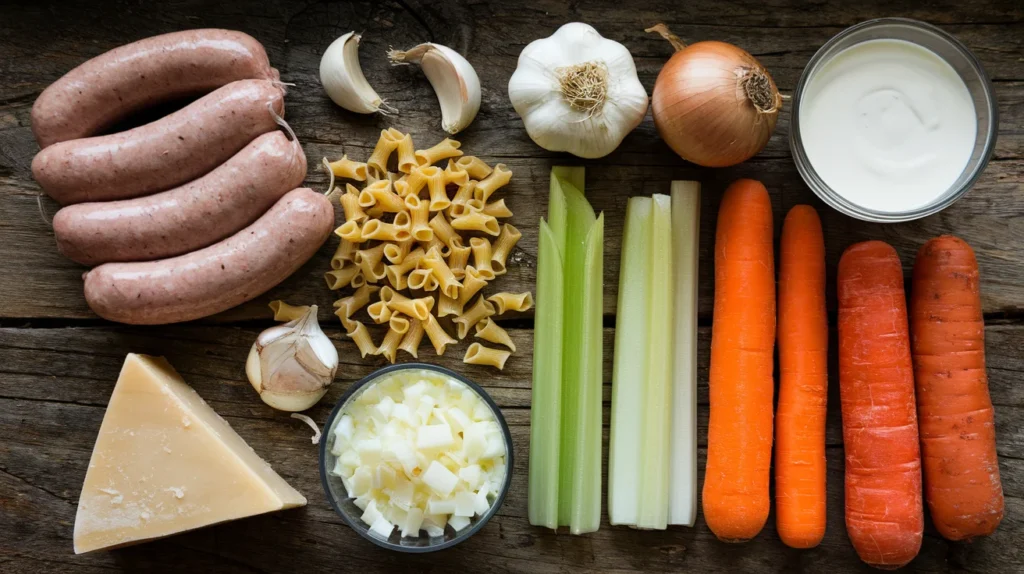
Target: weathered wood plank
<point>36,282</point>
<point>54,384</point>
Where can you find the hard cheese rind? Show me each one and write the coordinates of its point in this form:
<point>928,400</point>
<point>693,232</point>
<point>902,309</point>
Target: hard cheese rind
<point>165,462</point>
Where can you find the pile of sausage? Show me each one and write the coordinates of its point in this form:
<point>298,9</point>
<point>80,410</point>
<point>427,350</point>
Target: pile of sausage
<point>193,213</point>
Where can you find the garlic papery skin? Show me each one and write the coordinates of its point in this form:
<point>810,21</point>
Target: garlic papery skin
<point>343,78</point>
<point>291,365</point>
<point>453,78</point>
<point>577,92</point>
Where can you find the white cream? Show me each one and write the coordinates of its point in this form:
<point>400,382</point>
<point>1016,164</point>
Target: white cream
<point>888,124</point>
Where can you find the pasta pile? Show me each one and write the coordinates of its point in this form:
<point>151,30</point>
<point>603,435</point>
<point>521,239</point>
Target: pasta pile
<point>404,243</point>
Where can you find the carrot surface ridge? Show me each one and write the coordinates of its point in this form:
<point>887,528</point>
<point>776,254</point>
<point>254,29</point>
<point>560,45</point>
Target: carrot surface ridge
<point>735,496</point>
<point>803,382</point>
<point>957,422</point>
<point>884,510</point>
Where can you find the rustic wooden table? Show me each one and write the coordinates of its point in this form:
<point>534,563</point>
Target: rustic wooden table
<point>58,362</point>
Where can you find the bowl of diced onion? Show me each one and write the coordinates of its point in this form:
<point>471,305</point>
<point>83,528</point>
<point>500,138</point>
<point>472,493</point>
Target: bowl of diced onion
<point>416,458</point>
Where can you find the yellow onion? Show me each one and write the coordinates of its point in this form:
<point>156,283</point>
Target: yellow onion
<point>714,104</point>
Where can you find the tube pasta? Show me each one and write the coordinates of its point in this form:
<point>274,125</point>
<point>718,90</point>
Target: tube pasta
<point>411,341</point>
<point>474,166</point>
<point>379,194</point>
<point>457,261</point>
<point>473,220</point>
<point>490,331</point>
<point>285,312</point>
<point>455,174</point>
<point>345,253</point>
<point>503,245</point>
<point>348,306</point>
<point>360,336</point>
<point>497,209</point>
<point>377,229</point>
<point>419,212</point>
<point>417,180</point>
<point>497,179</point>
<point>418,308</point>
<point>438,191</point>
<point>471,285</point>
<point>506,302</point>
<point>350,231</point>
<point>447,306</point>
<point>396,252</point>
<point>399,323</point>
<point>350,204</point>
<point>379,312</point>
<point>396,274</point>
<point>435,242</point>
<point>444,149</point>
<point>464,193</point>
<point>406,153</point>
<point>482,257</point>
<point>389,346</point>
<point>370,261</point>
<point>478,354</point>
<point>444,232</point>
<point>338,278</point>
<point>479,311</point>
<point>446,280</point>
<point>348,169</point>
<point>422,279</point>
<point>439,338</point>
<point>386,144</point>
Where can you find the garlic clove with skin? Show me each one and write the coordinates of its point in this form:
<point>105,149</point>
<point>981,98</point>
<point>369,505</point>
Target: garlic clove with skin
<point>291,365</point>
<point>453,78</point>
<point>343,78</point>
<point>577,92</point>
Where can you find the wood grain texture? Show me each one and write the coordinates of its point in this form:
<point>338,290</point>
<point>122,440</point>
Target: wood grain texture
<point>58,363</point>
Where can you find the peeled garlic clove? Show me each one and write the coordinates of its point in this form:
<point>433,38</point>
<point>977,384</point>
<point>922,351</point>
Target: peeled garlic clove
<point>343,79</point>
<point>292,365</point>
<point>454,81</point>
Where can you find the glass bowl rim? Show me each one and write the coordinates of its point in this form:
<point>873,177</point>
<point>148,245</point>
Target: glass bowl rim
<point>834,199</point>
<point>353,521</point>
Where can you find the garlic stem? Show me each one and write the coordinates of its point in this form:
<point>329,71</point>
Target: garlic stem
<point>453,78</point>
<point>315,439</point>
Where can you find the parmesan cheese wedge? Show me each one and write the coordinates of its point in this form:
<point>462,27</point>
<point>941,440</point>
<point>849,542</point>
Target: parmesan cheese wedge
<point>164,462</point>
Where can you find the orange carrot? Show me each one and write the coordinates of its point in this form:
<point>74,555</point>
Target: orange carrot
<point>884,512</point>
<point>958,441</point>
<point>735,497</point>
<point>803,382</point>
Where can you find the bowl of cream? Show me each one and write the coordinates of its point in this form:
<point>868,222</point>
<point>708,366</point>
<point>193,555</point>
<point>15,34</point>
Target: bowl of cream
<point>893,120</point>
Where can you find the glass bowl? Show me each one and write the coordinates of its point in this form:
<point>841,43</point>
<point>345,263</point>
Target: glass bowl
<point>350,513</point>
<point>948,48</point>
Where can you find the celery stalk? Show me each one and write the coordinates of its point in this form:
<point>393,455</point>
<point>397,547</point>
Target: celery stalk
<point>546,404</point>
<point>682,494</point>
<point>557,212</point>
<point>657,421</point>
<point>580,218</point>
<point>586,479</point>
<point>632,326</point>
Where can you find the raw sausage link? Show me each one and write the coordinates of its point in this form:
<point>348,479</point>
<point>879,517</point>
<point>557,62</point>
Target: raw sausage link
<point>219,277</point>
<point>190,217</point>
<point>111,86</point>
<point>163,154</point>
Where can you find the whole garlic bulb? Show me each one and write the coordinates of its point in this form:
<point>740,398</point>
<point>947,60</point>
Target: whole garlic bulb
<point>577,92</point>
<point>291,365</point>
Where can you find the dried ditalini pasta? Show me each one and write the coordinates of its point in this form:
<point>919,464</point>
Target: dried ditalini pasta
<point>457,261</point>
<point>285,312</point>
<point>478,354</point>
<point>345,253</point>
<point>474,220</point>
<point>418,308</point>
<point>379,312</point>
<point>350,205</point>
<point>375,229</point>
<point>505,302</point>
<point>446,280</point>
<point>338,278</point>
<point>497,209</point>
<point>380,195</point>
<point>474,166</point>
<point>389,346</point>
<point>447,306</point>
<point>386,145</point>
<point>490,331</point>
<point>482,260</point>
<point>406,153</point>
<point>371,262</point>
<point>419,214</point>
<point>396,252</point>
<point>348,306</point>
<point>455,174</point>
<point>498,178</point>
<point>472,283</point>
<point>360,336</point>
